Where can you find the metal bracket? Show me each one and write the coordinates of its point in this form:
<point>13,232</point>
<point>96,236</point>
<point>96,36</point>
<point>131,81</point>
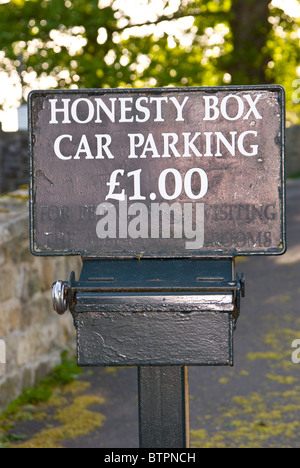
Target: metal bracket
<point>240,292</point>
<point>59,297</point>
<point>64,293</point>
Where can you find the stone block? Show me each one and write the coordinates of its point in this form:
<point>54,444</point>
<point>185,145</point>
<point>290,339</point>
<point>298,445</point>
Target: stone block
<point>10,388</point>
<point>7,281</point>
<point>23,350</point>
<point>34,334</point>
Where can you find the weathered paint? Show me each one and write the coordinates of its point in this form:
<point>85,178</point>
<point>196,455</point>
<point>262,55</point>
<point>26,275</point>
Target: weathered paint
<point>212,158</point>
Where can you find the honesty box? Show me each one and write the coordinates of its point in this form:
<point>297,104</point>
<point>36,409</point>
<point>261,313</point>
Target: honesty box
<point>172,172</point>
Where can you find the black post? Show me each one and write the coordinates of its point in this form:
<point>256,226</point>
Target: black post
<point>163,407</point>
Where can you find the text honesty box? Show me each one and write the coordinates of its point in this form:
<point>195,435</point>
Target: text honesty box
<point>186,172</point>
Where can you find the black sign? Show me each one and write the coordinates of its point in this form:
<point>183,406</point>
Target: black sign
<point>185,172</point>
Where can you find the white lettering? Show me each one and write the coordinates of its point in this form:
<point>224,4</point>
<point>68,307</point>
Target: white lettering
<point>242,147</point>
<point>138,227</point>
<point>136,141</point>
<point>240,107</point>
<point>129,109</point>
<point>184,144</point>
<point>103,143</point>
<point>179,107</point>
<point>189,145</point>
<point>126,109</point>
<point>123,218</point>
<point>208,136</point>
<point>170,145</point>
<point>55,111</point>
<point>252,104</point>
<point>161,220</point>
<point>158,101</point>
<point>169,457</point>
<point>57,150</point>
<point>110,113</point>
<point>203,183</point>
<point>124,459</point>
<point>84,148</point>
<point>191,456</point>
<point>296,354</point>
<point>150,146</point>
<point>211,103</point>
<point>137,185</point>
<point>222,138</point>
<point>112,184</point>
<point>107,226</point>
<point>177,184</point>
<point>198,232</point>
<point>74,111</point>
<point>142,109</point>
<point>212,110</point>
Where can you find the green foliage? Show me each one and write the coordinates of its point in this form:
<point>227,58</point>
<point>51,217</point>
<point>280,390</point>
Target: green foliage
<point>79,43</point>
<point>62,374</point>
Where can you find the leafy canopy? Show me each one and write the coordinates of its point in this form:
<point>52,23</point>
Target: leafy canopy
<point>104,43</point>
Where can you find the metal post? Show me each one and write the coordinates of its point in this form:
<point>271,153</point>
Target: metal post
<point>163,407</point>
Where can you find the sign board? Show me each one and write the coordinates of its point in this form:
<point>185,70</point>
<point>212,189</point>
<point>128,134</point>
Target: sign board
<point>172,172</point>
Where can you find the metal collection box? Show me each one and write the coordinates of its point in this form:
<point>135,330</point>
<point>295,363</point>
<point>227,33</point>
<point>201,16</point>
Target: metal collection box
<point>165,312</point>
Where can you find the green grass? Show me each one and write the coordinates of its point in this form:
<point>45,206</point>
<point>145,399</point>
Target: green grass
<point>64,373</point>
<point>294,176</point>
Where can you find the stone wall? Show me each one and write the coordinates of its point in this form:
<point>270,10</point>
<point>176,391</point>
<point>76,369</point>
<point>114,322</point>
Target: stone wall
<point>33,334</point>
<point>13,160</point>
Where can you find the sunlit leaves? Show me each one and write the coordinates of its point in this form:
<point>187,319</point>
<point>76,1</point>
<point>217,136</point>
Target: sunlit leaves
<point>100,43</point>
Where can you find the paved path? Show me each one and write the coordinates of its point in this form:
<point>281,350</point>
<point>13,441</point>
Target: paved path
<point>254,404</point>
<point>257,403</point>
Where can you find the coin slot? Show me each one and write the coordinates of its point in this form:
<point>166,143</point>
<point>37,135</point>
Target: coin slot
<point>209,279</point>
<point>100,280</point>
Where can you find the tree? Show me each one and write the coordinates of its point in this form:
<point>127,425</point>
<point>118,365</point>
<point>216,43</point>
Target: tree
<point>249,27</point>
<point>94,44</point>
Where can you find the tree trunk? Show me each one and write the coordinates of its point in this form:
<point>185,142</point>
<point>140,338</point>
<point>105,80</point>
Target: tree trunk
<point>250,28</point>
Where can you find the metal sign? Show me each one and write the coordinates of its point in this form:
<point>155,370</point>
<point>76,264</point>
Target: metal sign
<point>187,172</point>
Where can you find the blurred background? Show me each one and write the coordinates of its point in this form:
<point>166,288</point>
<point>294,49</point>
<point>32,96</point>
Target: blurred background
<point>145,43</point>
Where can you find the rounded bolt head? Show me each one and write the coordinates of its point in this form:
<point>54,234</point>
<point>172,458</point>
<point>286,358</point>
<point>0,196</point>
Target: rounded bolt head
<point>59,297</point>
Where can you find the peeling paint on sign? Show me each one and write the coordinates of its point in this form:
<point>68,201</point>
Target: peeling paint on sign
<point>185,172</point>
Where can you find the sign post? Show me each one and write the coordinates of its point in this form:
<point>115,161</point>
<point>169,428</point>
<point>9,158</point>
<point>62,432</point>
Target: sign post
<point>163,407</point>
<point>158,190</point>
